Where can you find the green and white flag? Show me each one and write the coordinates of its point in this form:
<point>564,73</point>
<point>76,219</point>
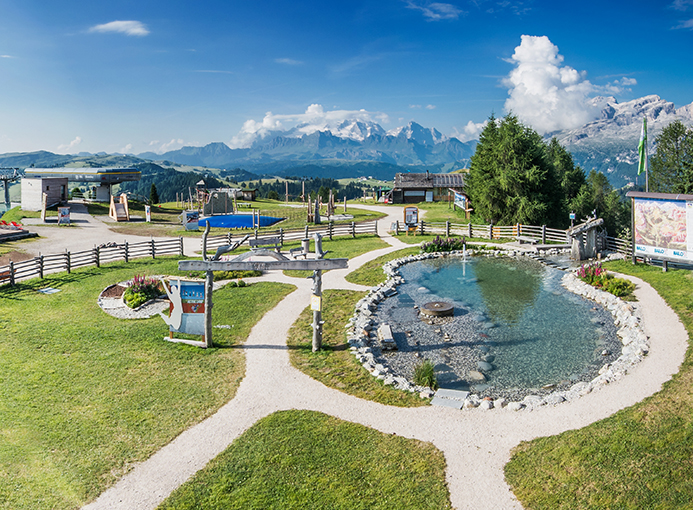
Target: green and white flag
<point>642,148</point>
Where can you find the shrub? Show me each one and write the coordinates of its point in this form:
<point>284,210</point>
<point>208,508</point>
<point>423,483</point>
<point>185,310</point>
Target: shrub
<point>241,283</point>
<point>425,375</point>
<point>141,290</point>
<point>620,287</point>
<point>443,244</point>
<point>596,275</point>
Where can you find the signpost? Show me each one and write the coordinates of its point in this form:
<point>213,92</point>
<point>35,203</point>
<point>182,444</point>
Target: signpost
<point>63,215</point>
<point>278,262</point>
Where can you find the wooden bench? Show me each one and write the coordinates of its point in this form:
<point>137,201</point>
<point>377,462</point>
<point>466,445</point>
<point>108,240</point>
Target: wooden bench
<point>263,243</point>
<point>242,204</point>
<point>525,239</point>
<point>297,252</point>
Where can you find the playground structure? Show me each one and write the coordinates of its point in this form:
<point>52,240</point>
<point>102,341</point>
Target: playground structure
<point>120,210</point>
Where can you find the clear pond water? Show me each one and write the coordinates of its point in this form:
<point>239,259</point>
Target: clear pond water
<point>510,313</point>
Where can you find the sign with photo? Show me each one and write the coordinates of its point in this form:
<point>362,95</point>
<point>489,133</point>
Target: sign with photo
<point>63,215</point>
<point>148,213</point>
<point>191,220</point>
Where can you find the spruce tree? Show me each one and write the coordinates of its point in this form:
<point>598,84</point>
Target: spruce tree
<point>671,166</point>
<point>153,195</point>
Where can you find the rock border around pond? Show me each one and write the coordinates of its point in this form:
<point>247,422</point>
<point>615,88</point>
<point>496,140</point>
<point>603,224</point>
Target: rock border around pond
<point>362,326</point>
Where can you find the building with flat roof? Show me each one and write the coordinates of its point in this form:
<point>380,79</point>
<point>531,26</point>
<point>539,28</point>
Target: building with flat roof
<point>102,178</point>
<point>411,188</point>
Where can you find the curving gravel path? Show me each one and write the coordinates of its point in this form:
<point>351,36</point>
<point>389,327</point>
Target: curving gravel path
<point>476,443</point>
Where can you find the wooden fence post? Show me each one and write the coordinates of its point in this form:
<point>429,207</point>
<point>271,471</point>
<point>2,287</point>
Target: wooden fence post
<point>306,234</point>
<point>490,231</point>
<point>396,227</point>
<point>96,253</point>
<point>281,233</point>
<point>68,262</point>
<point>40,261</point>
<point>127,252</point>
<point>181,250</point>
<point>375,228</point>
<point>447,228</point>
<point>353,228</point>
<point>330,228</point>
<point>153,247</point>
<point>543,234</point>
<point>12,280</point>
<point>471,232</point>
<point>421,227</point>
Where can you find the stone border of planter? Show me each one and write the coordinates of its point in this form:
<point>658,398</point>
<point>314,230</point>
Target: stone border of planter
<point>635,342</point>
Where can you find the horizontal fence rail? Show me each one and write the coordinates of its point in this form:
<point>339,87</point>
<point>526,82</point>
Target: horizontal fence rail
<point>326,230</point>
<point>98,255</point>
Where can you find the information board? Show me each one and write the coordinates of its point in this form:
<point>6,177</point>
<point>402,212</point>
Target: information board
<point>663,228</point>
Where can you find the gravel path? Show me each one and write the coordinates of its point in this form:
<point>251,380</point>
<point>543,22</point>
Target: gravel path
<point>476,443</point>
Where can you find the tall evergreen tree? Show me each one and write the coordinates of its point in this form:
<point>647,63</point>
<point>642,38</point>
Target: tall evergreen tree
<point>511,178</point>
<point>671,167</point>
<point>153,195</point>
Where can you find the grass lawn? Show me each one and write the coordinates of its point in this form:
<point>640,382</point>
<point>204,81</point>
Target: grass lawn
<point>84,396</point>
<point>334,365</point>
<point>371,273</point>
<point>339,247</point>
<point>641,457</point>
<point>308,460</point>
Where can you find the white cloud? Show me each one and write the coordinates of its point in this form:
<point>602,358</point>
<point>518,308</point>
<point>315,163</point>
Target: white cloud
<point>436,11</point>
<point>315,118</point>
<point>288,61</point>
<point>131,28</point>
<point>469,132</point>
<point>6,56</point>
<point>430,107</point>
<point>544,93</point>
<point>127,149</point>
<point>66,148</point>
<point>681,5</point>
<point>684,24</point>
<point>160,148</point>
<point>415,106</point>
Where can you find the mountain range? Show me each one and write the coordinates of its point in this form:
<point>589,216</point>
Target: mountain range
<point>355,148</point>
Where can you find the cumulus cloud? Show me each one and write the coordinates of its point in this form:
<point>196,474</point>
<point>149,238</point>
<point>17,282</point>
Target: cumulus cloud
<point>436,11</point>
<point>415,106</point>
<point>130,28</point>
<point>469,132</point>
<point>545,93</point>
<point>315,118</point>
<point>127,149</point>
<point>160,148</point>
<point>430,107</point>
<point>681,5</point>
<point>70,146</point>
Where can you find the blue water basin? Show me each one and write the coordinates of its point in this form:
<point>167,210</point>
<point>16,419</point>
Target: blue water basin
<point>237,221</point>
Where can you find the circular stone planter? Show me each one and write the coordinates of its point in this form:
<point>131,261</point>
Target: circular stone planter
<point>438,309</point>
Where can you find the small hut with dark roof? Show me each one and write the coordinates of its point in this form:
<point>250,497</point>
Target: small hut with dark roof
<point>411,188</point>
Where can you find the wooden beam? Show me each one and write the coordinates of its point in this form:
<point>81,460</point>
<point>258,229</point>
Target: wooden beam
<point>274,265</point>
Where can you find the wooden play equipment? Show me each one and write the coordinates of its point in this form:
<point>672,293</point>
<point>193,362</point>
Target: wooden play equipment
<point>119,211</point>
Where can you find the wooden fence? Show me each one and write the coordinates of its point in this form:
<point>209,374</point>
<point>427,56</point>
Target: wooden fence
<point>98,255</point>
<point>327,230</point>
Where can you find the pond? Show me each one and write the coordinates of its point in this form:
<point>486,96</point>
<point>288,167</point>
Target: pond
<point>515,329</point>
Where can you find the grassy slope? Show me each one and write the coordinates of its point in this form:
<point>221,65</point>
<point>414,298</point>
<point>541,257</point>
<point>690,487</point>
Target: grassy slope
<point>83,395</point>
<point>371,273</point>
<point>641,457</point>
<point>334,365</point>
<point>303,459</point>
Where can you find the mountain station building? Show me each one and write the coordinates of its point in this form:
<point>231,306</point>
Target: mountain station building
<point>411,188</point>
<point>54,183</point>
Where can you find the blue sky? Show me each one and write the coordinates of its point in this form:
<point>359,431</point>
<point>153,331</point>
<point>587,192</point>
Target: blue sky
<point>126,76</point>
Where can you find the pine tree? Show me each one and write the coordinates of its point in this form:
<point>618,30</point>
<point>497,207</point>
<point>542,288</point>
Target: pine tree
<point>671,167</point>
<point>153,195</point>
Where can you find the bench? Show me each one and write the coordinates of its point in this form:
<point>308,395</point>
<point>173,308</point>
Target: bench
<point>242,204</point>
<point>297,252</point>
<point>263,243</point>
<point>525,239</point>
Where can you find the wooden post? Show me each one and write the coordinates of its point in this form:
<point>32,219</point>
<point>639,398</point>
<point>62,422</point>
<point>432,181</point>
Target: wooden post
<point>127,252</point>
<point>68,262</point>
<point>316,305</point>
<point>180,246</point>
<point>209,288</point>
<point>306,234</point>
<point>12,280</point>
<point>353,229</point>
<point>396,227</point>
<point>543,234</point>
<point>40,261</point>
<point>153,248</point>
<point>490,231</point>
<point>665,265</point>
<point>421,227</point>
<point>330,228</point>
<point>471,231</point>
<point>287,191</point>
<point>97,260</point>
<point>447,228</point>
<point>345,206</point>
<point>375,228</point>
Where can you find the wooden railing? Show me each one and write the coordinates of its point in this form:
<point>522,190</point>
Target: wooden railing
<point>326,230</point>
<point>67,261</point>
